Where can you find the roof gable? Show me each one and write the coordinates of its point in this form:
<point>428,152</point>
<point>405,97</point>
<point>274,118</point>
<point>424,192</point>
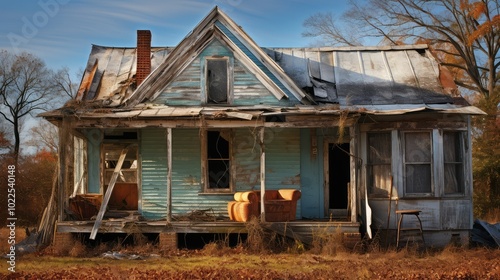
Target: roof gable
<point>218,26</point>
<point>187,88</point>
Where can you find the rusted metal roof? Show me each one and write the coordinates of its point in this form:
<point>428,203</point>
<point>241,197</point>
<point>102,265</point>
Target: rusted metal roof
<point>110,72</point>
<point>366,76</point>
<point>348,76</point>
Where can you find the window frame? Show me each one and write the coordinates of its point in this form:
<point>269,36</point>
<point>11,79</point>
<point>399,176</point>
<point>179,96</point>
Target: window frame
<point>462,144</point>
<point>431,164</point>
<point>205,163</point>
<point>229,82</point>
<point>369,165</point>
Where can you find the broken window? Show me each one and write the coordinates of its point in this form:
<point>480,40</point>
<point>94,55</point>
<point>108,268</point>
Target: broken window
<point>125,190</point>
<point>128,172</point>
<point>417,162</point>
<point>453,163</point>
<point>217,80</point>
<point>379,164</point>
<point>218,161</point>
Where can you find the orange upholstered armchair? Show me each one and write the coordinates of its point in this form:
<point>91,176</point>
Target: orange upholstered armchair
<point>280,205</point>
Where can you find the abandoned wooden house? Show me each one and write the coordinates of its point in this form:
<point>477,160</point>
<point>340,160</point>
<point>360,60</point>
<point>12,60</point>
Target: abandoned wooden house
<point>199,137</point>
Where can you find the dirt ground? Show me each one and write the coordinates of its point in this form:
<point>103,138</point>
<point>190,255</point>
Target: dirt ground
<point>236,263</point>
<point>218,261</point>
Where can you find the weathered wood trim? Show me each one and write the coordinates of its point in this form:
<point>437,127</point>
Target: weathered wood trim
<point>469,186</point>
<point>326,177</point>
<point>262,174</point>
<point>169,174</point>
<point>355,171</point>
<point>397,164</point>
<point>437,162</point>
<point>412,125</point>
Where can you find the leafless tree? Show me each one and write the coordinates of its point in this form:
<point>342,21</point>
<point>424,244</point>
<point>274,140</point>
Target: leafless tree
<point>44,136</point>
<point>465,34</point>
<point>26,87</point>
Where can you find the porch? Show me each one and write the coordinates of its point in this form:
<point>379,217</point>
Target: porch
<point>302,230</point>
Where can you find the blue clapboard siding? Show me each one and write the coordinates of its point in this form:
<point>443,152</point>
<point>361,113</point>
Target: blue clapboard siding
<point>154,173</point>
<point>283,160</point>
<point>186,177</point>
<point>255,60</point>
<point>185,89</point>
<point>248,90</point>
<point>311,175</point>
<point>246,161</point>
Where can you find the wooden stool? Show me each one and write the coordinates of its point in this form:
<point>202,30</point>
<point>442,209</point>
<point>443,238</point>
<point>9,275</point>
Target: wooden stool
<point>409,212</point>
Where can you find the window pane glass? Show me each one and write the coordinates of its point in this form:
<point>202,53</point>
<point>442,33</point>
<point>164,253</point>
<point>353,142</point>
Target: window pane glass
<point>217,80</point>
<point>453,163</point>
<point>218,174</point>
<point>418,178</point>
<point>218,159</point>
<point>218,146</point>
<point>379,164</point>
<point>418,147</point>
<point>379,148</point>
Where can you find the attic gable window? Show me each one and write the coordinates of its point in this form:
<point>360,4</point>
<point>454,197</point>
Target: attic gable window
<point>217,80</point>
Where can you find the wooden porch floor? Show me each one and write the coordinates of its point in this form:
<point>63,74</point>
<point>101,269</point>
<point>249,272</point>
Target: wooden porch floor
<point>299,229</point>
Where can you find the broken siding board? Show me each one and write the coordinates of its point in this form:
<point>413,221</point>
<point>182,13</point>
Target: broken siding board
<point>154,173</point>
<point>326,66</point>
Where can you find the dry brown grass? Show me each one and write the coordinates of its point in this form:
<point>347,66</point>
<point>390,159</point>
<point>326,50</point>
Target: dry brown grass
<point>4,235</point>
<point>493,216</point>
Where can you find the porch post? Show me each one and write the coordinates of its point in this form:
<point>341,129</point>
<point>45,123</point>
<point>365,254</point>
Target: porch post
<point>262,174</point>
<point>169,175</point>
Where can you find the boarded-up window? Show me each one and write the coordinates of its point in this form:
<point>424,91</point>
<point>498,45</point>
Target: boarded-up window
<point>453,163</point>
<point>218,161</point>
<point>379,164</point>
<point>217,81</point>
<point>417,162</point>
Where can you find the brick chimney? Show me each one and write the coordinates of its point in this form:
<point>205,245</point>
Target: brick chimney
<point>143,55</point>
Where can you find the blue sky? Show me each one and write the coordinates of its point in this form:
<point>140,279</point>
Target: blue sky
<point>61,31</point>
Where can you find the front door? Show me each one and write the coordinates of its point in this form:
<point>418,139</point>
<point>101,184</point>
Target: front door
<point>338,177</point>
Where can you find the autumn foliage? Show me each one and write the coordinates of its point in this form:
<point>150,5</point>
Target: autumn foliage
<point>33,185</point>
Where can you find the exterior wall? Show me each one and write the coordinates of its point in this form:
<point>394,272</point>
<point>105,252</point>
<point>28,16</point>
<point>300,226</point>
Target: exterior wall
<point>283,160</point>
<point>282,169</point>
<point>186,177</point>
<point>442,215</point>
<point>153,158</point>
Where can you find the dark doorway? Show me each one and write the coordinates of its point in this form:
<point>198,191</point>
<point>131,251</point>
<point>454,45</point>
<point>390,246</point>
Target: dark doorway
<point>339,178</point>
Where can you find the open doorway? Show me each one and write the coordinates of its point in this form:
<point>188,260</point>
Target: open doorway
<point>338,178</point>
